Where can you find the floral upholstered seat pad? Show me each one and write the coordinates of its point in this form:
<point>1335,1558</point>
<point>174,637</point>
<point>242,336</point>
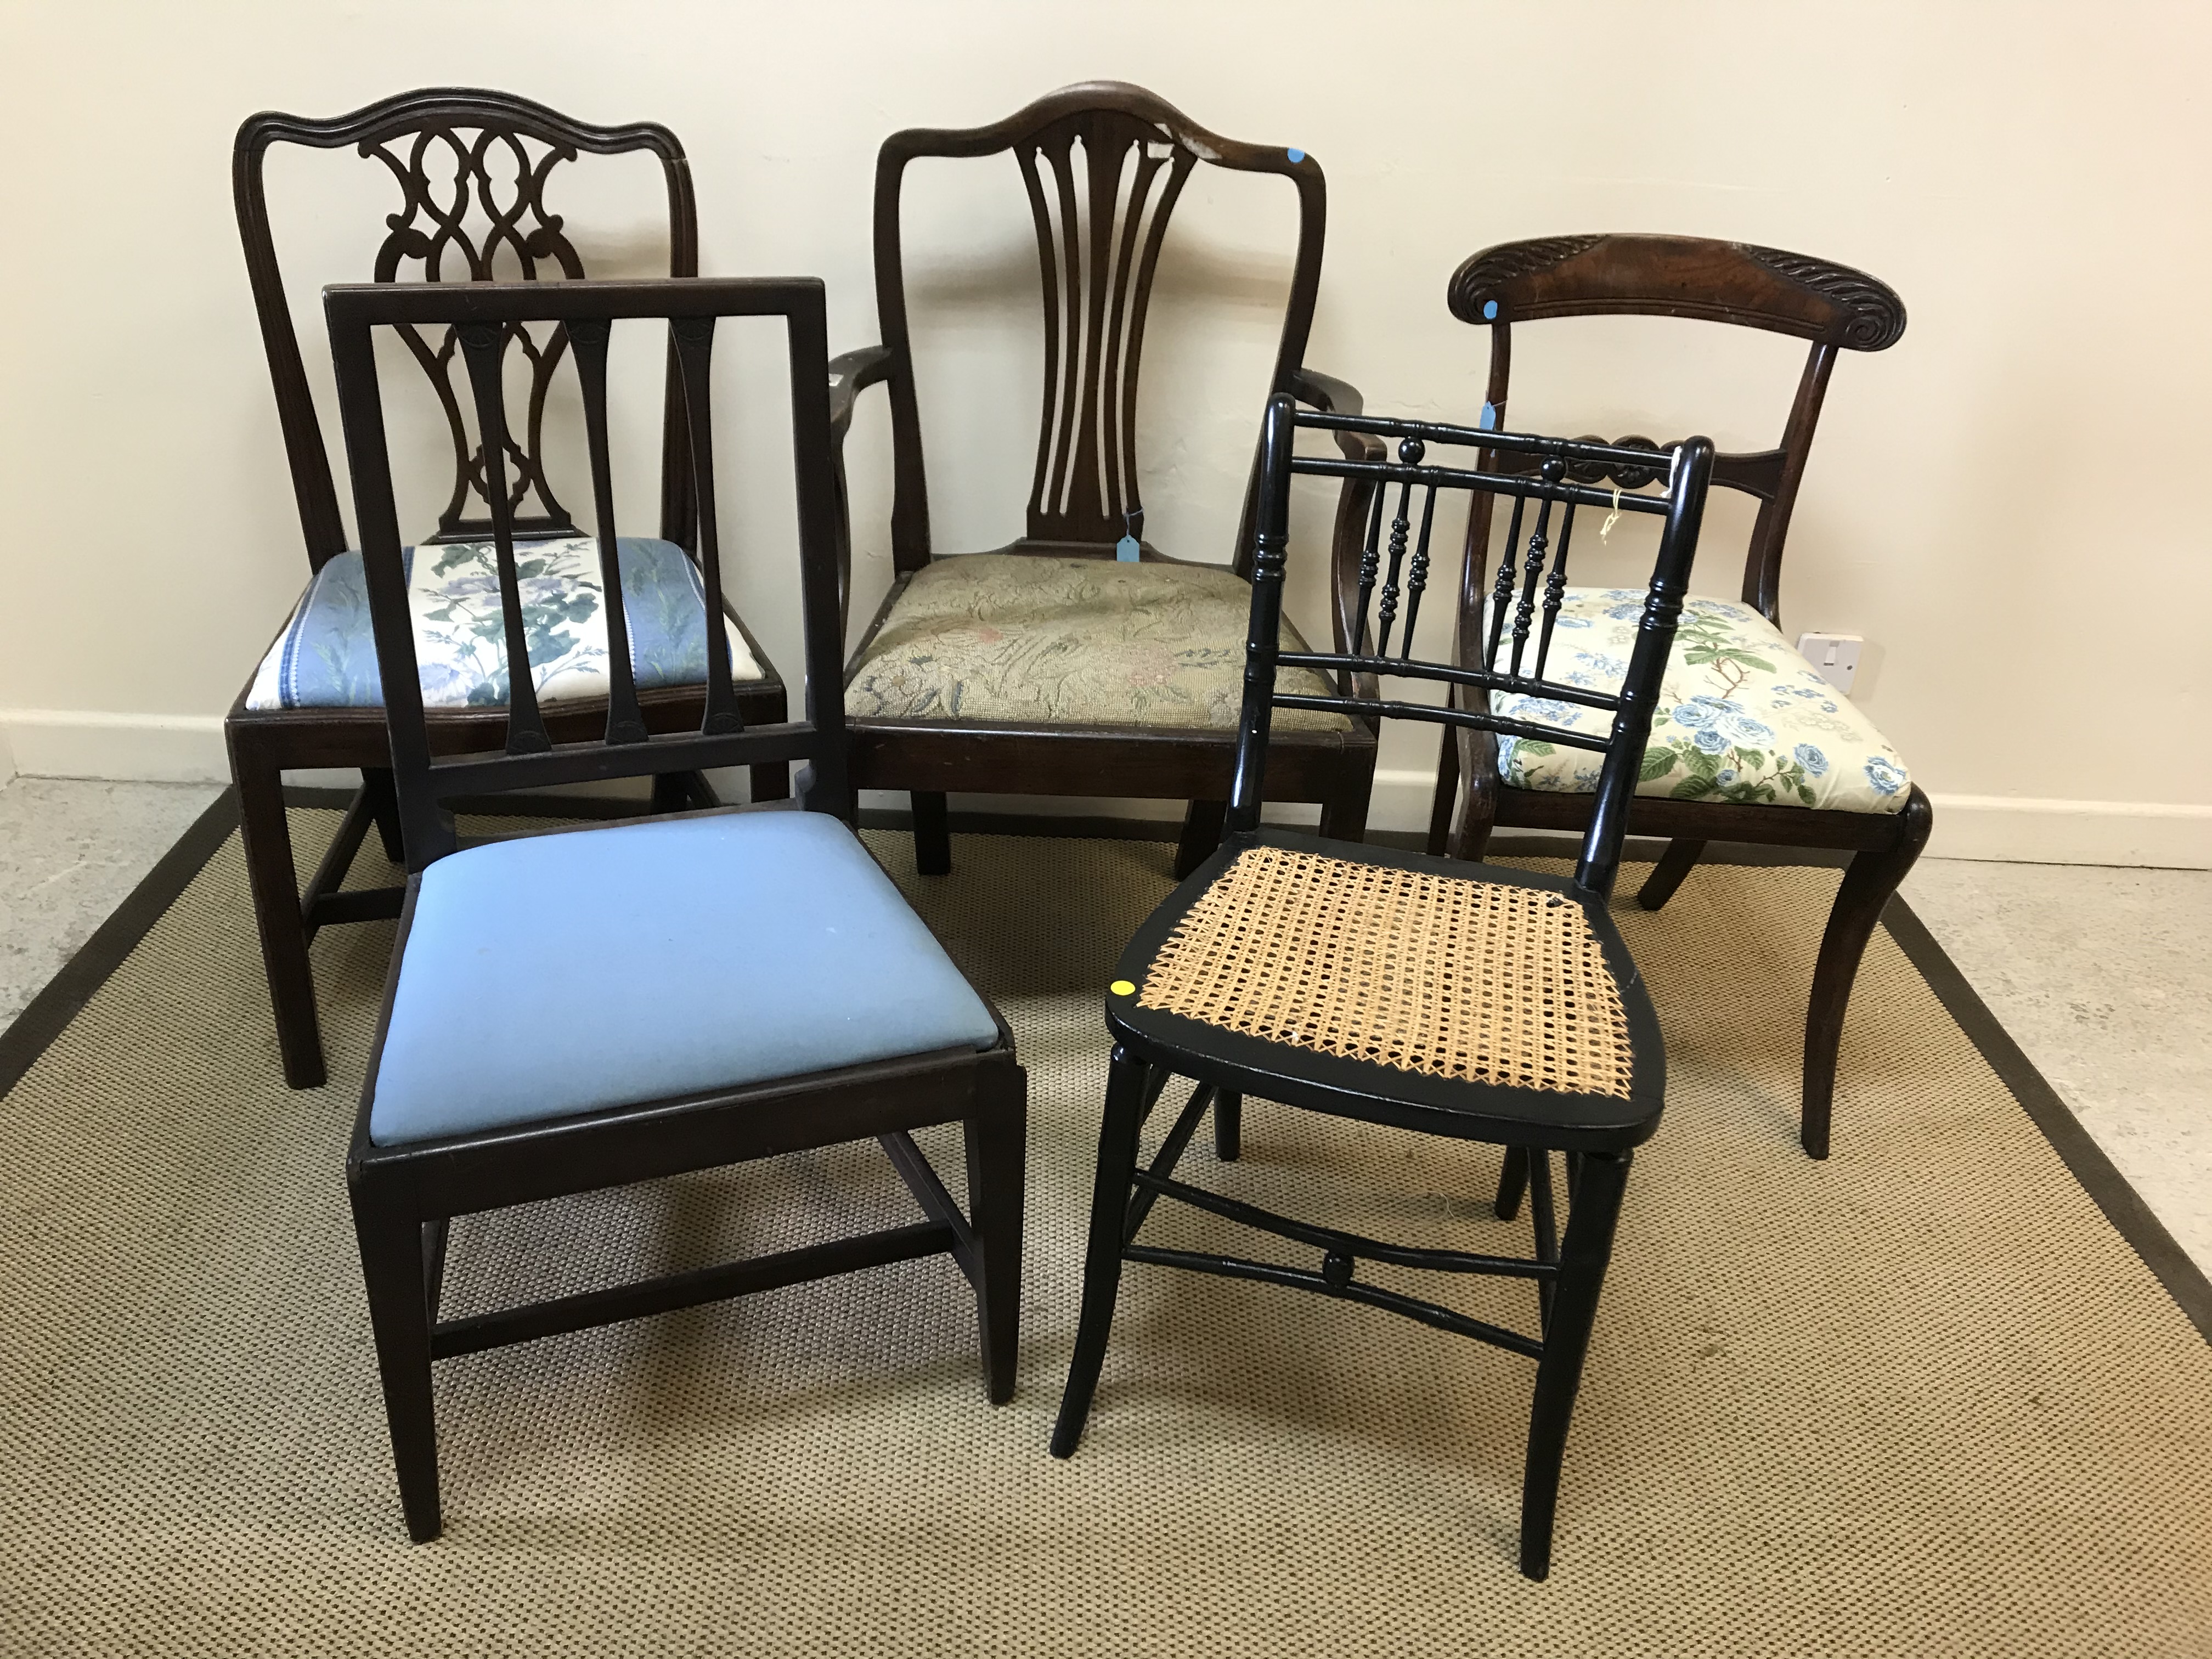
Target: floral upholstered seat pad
<point>1056,641</point>
<point>1742,716</point>
<point>326,656</point>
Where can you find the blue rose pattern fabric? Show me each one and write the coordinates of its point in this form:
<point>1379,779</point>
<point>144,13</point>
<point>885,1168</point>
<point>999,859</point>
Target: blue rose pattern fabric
<point>326,656</point>
<point>1742,716</point>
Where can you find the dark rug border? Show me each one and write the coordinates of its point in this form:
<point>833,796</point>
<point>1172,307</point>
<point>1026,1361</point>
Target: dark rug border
<point>49,1013</point>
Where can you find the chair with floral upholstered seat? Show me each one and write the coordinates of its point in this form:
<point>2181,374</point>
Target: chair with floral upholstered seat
<point>1749,743</point>
<point>1081,660</point>
<point>472,169</point>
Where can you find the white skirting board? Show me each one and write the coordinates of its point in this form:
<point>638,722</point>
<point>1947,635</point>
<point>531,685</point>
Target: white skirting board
<point>189,748</point>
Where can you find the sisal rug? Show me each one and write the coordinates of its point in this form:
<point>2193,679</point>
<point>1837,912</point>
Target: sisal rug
<point>1920,1399</point>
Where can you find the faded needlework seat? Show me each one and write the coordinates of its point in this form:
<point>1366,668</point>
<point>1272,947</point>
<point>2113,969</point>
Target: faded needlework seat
<point>996,636</point>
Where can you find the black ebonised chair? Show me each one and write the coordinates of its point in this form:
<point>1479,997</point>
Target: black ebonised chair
<point>1397,987</point>
<point>588,1007</point>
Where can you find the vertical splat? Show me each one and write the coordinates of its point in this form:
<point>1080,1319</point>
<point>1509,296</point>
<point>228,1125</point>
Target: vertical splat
<point>1102,187</point>
<point>462,219</point>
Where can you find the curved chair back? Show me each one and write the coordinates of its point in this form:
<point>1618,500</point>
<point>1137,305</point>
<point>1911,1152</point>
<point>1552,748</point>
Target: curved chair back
<point>483,318</point>
<point>1104,164</point>
<point>1833,306</point>
<point>1542,476</point>
<point>472,169</point>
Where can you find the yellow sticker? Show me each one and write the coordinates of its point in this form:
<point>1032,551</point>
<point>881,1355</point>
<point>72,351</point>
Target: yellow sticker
<point>1122,987</point>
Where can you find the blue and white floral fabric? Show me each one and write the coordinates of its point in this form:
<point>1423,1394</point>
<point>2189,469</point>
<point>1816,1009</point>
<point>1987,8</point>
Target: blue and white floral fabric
<point>1742,716</point>
<point>326,656</point>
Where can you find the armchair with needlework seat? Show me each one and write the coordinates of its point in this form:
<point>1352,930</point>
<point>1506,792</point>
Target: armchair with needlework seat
<point>473,169</point>
<point>1081,660</point>
<point>1749,743</point>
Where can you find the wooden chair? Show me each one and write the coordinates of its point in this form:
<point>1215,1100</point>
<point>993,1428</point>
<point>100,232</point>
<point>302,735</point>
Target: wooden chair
<point>1750,744</point>
<point>588,1007</point>
<point>1398,987</point>
<point>1038,670</point>
<point>473,169</point>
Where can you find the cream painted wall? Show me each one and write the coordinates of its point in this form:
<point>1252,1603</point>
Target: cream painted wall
<point>2032,177</point>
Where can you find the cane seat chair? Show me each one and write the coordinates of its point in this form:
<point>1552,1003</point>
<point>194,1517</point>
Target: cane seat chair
<point>1750,743</point>
<point>1080,659</point>
<point>588,1007</point>
<point>1399,987</point>
<point>478,175</point>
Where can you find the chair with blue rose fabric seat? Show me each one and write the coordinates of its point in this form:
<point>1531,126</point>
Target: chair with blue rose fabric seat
<point>475,170</point>
<point>592,1007</point>
<point>1409,992</point>
<point>1749,742</point>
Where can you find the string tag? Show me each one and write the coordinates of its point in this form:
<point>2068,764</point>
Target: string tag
<point>1129,549</point>
<point>1612,517</point>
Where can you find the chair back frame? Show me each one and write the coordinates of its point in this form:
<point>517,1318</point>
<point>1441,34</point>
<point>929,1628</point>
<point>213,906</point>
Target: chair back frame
<point>483,317</point>
<point>1098,243</point>
<point>1531,580</point>
<point>1833,306</point>
<point>445,226</point>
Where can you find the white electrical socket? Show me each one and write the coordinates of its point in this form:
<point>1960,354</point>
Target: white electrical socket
<point>1834,657</point>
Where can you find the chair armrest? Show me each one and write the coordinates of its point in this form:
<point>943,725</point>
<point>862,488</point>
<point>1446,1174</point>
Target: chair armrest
<point>1334,396</point>
<point>1327,393</point>
<point>850,375</point>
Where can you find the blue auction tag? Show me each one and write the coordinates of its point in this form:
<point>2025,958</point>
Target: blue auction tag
<point>1129,549</point>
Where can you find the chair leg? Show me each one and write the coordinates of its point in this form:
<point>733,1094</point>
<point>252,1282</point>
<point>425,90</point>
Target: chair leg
<point>771,782</point>
<point>1874,875</point>
<point>274,881</point>
<point>1512,1181</point>
<point>1228,1126</point>
<point>1201,835</point>
<point>932,833</point>
<point>394,1265</point>
<point>1674,865</point>
<point>1583,1255</point>
<point>997,1150</point>
<point>384,801</point>
<point>1446,796</point>
<point>1102,1262</point>
<point>1344,814</point>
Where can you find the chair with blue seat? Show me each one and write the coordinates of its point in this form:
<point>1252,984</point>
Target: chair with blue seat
<point>475,171</point>
<point>1414,993</point>
<point>1750,743</point>
<point>587,1007</point>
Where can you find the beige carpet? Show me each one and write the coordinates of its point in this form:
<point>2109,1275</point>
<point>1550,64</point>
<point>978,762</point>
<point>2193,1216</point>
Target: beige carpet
<point>1919,1400</point>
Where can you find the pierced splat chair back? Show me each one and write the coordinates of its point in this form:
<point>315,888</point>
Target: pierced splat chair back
<point>474,170</point>
<point>485,318</point>
<point>1543,479</point>
<point>1104,165</point>
<point>1833,306</point>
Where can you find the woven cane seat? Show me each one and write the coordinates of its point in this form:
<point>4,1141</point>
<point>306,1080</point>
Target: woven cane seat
<point>1354,963</point>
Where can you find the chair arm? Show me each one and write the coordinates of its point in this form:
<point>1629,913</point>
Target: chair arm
<point>1334,396</point>
<point>849,376</point>
<point>1327,393</point>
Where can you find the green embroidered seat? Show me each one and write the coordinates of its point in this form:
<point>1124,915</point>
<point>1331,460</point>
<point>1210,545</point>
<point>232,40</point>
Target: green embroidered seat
<point>1054,641</point>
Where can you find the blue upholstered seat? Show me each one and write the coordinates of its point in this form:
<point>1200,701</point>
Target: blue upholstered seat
<point>564,973</point>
